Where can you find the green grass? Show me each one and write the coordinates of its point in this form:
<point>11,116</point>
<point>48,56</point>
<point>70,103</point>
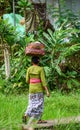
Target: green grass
<point>68,127</point>
<point>59,105</point>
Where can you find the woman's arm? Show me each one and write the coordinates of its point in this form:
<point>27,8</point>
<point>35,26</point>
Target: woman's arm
<point>47,91</point>
<point>44,84</point>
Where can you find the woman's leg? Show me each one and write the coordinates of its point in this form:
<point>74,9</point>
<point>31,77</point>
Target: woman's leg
<point>24,118</point>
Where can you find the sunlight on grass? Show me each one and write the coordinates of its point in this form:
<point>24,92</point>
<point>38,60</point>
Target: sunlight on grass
<point>59,105</point>
<point>12,108</point>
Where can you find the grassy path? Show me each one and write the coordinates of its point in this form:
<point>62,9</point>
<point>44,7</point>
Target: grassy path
<point>57,106</point>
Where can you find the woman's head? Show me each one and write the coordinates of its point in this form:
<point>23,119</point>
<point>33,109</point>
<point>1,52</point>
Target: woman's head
<point>35,59</point>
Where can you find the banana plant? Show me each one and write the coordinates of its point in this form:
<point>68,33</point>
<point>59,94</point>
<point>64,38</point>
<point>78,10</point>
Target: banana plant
<point>59,45</point>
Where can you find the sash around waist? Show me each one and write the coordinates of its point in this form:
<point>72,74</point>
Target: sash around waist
<point>35,80</point>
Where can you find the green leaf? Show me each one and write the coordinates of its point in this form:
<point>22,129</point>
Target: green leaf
<point>51,35</point>
<point>76,83</point>
<point>58,69</point>
<point>69,84</point>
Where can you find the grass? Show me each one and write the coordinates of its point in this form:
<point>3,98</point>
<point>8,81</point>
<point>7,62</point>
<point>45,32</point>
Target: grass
<point>61,105</point>
<point>12,107</point>
<point>68,127</point>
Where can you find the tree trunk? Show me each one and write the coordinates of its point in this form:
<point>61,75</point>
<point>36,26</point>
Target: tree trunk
<point>7,62</point>
<point>34,17</point>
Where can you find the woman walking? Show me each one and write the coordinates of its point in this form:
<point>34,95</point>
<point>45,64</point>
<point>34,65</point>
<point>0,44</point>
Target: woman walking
<point>35,77</point>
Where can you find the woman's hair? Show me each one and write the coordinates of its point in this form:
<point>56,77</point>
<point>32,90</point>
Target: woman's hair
<point>35,59</point>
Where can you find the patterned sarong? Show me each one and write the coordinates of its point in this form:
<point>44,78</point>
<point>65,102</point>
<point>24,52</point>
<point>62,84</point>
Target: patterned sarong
<point>35,106</point>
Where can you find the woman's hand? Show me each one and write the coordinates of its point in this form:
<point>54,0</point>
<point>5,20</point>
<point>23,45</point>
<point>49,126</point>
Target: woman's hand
<point>48,94</point>
<point>47,91</point>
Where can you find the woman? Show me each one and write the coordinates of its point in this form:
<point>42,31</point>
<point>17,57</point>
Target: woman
<point>37,84</point>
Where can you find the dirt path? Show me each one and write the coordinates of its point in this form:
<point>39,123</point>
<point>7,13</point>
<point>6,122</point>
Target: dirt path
<point>66,120</point>
<point>51,123</point>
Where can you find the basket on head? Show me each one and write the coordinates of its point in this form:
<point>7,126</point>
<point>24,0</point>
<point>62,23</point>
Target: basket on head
<point>35,48</point>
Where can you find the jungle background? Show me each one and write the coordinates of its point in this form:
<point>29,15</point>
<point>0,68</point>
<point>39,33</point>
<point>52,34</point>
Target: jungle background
<point>58,27</point>
<point>62,44</point>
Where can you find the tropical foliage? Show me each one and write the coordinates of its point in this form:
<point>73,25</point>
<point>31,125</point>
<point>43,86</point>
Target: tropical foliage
<point>4,6</point>
<point>24,5</point>
<point>61,62</point>
<point>61,46</point>
<point>15,44</point>
<point>7,33</point>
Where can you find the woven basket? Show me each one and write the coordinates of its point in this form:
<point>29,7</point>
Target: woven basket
<point>35,48</point>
